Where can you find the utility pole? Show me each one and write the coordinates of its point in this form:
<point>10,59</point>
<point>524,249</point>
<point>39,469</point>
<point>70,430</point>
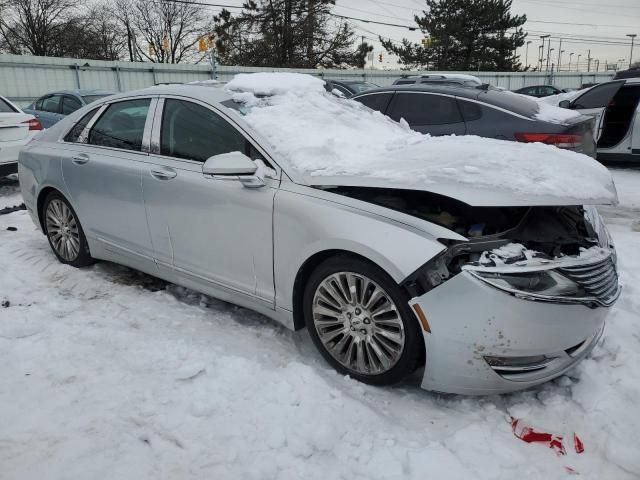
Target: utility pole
<point>559,54</point>
<point>633,37</point>
<point>597,65</point>
<point>542,37</point>
<point>589,60</point>
<point>548,54</point>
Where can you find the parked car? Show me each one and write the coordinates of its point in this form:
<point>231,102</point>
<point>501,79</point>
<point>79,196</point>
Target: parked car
<point>16,129</point>
<point>187,184</point>
<point>633,72</point>
<point>54,106</point>
<point>487,113</point>
<point>541,91</point>
<point>348,88</point>
<point>614,105</point>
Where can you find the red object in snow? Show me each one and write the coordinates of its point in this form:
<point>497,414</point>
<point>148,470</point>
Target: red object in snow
<point>529,435</point>
<point>577,444</point>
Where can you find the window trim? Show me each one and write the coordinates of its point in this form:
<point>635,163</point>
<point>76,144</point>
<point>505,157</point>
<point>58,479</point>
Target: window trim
<point>157,125</point>
<point>83,138</point>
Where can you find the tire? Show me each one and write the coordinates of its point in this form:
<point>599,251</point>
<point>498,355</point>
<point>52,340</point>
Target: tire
<point>64,232</point>
<point>354,337</point>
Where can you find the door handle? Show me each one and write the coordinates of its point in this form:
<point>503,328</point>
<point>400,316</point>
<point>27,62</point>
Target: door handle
<point>80,159</point>
<point>167,174</point>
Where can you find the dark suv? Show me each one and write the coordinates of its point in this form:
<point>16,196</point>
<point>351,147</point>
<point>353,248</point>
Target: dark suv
<point>487,113</point>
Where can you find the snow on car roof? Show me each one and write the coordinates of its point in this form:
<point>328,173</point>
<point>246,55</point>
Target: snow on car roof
<point>322,135</point>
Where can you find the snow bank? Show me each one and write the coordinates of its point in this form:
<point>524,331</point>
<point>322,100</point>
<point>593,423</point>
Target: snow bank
<point>319,134</point>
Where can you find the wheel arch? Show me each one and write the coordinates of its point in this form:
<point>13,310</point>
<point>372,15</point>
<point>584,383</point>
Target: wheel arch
<point>305,271</point>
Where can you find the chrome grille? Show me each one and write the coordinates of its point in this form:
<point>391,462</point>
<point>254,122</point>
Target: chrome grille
<point>599,280</point>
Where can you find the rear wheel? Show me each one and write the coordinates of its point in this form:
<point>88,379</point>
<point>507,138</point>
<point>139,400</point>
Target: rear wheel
<point>64,232</point>
<point>359,319</point>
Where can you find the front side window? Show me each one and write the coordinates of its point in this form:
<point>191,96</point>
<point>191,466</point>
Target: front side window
<point>193,132</point>
<point>121,125</point>
<point>74,133</point>
<point>376,101</point>
<point>425,109</point>
<point>70,104</point>
<point>51,104</point>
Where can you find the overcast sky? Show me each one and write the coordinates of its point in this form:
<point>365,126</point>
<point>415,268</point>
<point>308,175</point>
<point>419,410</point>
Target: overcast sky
<point>583,24</point>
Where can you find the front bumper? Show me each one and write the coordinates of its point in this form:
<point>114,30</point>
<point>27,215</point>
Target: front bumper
<point>470,320</point>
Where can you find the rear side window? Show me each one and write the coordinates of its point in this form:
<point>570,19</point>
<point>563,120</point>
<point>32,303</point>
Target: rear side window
<point>74,133</point>
<point>51,104</point>
<point>121,125</point>
<point>598,97</point>
<point>376,101</point>
<point>425,109</point>
<point>5,107</point>
<point>470,111</point>
<point>405,82</point>
<point>70,104</point>
<point>193,132</point>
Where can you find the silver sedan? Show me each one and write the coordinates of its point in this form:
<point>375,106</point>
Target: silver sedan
<point>174,182</point>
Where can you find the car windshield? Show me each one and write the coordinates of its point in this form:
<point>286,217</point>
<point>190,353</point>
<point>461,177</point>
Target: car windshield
<point>92,98</point>
<point>362,86</point>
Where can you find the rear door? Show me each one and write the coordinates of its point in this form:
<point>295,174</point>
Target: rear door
<point>594,103</point>
<point>432,113</point>
<point>102,170</point>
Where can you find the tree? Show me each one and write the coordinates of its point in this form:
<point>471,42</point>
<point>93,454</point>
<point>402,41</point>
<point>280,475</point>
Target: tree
<point>34,26</point>
<point>160,31</point>
<point>286,33</point>
<point>464,35</point>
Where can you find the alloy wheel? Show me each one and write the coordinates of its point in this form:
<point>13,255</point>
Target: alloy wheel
<point>358,323</point>
<point>62,230</point>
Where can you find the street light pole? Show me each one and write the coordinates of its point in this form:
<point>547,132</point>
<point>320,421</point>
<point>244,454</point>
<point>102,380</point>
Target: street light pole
<point>570,55</point>
<point>526,55</point>
<point>633,37</point>
<point>559,54</point>
<point>578,62</point>
<point>542,37</point>
<point>548,54</point>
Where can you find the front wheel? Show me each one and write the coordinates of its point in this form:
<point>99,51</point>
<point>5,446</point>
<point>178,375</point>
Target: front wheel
<point>359,319</point>
<point>64,232</point>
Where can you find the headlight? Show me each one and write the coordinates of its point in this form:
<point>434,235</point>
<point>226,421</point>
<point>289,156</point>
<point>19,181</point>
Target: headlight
<point>547,283</point>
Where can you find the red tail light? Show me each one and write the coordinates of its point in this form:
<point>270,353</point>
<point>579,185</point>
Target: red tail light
<point>559,140</point>
<point>34,124</point>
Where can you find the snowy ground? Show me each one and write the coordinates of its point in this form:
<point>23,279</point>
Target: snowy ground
<point>109,374</point>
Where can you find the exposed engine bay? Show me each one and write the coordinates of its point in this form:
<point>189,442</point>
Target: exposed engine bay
<point>496,235</point>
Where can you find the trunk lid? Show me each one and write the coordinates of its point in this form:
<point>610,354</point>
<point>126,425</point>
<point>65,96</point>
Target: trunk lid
<point>12,127</point>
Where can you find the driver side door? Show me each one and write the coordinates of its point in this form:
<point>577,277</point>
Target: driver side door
<point>209,231</point>
<point>594,103</point>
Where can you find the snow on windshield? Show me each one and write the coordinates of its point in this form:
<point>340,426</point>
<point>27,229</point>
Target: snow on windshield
<point>320,134</point>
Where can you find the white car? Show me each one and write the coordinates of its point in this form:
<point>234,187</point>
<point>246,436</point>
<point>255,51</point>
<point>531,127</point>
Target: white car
<point>16,130</point>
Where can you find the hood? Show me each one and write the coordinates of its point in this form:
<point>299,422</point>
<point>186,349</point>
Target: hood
<point>327,141</point>
<point>472,195</point>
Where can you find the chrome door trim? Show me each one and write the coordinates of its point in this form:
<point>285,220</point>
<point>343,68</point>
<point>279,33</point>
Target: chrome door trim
<point>146,134</point>
<point>154,134</point>
<point>83,138</point>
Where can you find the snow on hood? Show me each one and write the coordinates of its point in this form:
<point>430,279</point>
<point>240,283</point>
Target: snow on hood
<point>326,138</point>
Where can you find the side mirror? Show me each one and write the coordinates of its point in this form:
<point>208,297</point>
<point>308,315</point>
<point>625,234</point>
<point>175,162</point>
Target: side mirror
<point>229,164</point>
<point>565,104</point>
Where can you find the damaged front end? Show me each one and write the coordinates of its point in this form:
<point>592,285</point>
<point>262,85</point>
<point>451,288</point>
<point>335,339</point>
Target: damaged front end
<point>558,254</point>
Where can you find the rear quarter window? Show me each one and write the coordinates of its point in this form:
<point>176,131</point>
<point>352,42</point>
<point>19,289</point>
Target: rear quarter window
<point>527,107</point>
